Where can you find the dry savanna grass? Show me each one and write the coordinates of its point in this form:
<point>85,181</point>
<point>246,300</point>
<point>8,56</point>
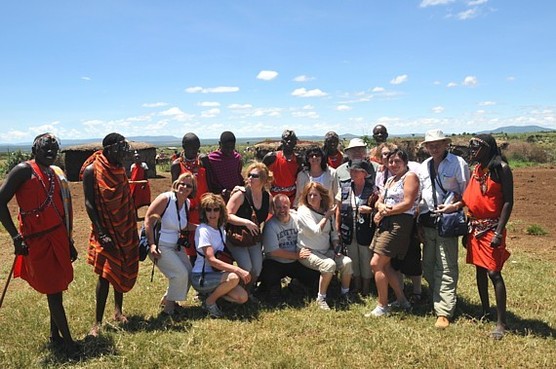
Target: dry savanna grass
<point>299,335</point>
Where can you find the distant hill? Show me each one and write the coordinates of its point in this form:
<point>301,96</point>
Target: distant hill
<point>519,129</point>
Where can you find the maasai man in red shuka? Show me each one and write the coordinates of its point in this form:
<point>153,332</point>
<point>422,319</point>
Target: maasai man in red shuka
<point>139,184</point>
<point>43,244</point>
<point>113,250</point>
<point>189,162</point>
<point>284,165</point>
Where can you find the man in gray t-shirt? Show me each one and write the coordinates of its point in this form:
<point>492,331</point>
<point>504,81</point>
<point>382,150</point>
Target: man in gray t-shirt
<point>281,252</point>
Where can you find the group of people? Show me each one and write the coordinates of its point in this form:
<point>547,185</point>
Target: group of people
<point>308,218</point>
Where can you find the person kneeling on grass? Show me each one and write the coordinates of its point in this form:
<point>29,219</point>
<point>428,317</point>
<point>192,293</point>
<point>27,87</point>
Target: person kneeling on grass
<point>212,276</point>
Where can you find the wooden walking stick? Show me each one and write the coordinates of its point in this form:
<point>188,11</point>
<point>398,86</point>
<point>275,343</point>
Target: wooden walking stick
<point>8,282</point>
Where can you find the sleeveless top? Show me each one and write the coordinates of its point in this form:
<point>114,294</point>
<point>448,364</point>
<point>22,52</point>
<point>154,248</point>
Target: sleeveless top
<point>245,211</point>
<point>172,221</point>
<point>394,193</point>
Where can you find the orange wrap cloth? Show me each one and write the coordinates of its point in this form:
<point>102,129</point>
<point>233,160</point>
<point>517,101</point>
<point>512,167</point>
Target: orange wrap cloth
<point>141,192</point>
<point>48,267</point>
<point>117,215</point>
<point>487,206</point>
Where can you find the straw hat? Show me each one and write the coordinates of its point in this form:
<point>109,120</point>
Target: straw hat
<point>434,135</point>
<point>356,142</point>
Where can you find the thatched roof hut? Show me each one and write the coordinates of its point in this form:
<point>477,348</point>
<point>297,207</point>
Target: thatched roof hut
<point>75,156</point>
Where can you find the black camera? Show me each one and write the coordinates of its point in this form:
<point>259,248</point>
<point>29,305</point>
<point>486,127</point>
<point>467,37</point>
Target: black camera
<point>183,240</point>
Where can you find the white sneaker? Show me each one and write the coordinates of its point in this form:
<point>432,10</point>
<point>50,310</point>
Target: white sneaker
<point>379,311</point>
<point>213,310</point>
<point>322,304</point>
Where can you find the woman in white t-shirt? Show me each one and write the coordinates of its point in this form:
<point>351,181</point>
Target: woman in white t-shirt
<point>210,239</point>
<point>316,170</point>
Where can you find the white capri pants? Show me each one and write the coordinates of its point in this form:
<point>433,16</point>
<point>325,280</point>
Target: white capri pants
<point>175,265</point>
<point>328,262</point>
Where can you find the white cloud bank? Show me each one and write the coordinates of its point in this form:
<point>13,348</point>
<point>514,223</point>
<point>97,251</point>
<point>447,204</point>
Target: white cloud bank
<point>154,105</point>
<point>211,90</point>
<point>470,81</point>
<point>303,78</point>
<point>303,92</point>
<point>426,3</point>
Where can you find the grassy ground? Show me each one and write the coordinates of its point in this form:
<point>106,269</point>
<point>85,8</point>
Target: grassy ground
<point>298,336</point>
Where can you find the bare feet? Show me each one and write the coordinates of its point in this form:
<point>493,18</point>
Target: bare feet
<point>120,317</point>
<point>95,331</point>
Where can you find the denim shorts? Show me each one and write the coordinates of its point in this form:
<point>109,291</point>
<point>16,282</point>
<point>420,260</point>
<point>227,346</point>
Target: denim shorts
<point>210,282</point>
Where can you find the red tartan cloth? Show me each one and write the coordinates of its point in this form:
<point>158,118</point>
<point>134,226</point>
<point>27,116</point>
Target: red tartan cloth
<point>117,215</point>
<point>48,267</point>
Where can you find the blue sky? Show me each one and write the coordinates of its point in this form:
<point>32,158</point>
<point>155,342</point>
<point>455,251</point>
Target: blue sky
<point>84,69</point>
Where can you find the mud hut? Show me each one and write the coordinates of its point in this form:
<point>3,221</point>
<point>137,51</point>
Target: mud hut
<point>75,156</point>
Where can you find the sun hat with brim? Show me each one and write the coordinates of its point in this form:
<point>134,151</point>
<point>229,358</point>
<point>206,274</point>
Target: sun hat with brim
<point>435,135</point>
<point>356,142</point>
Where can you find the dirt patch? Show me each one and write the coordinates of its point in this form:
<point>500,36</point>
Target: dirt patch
<point>535,203</point>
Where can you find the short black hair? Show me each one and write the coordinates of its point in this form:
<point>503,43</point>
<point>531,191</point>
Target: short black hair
<point>227,136</point>
<point>400,154</point>
<point>190,139</point>
<point>111,139</point>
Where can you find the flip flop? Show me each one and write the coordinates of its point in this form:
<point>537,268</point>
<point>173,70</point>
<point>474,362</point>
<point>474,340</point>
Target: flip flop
<point>497,333</point>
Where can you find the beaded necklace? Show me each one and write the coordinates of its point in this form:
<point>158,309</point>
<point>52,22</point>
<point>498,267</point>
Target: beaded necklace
<point>191,165</point>
<point>49,193</point>
<point>481,175</point>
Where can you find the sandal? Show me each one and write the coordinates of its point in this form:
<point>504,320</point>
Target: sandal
<point>415,298</point>
<point>497,333</point>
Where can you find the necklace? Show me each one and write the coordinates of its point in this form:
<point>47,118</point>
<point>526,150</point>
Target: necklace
<point>481,175</point>
<point>48,192</point>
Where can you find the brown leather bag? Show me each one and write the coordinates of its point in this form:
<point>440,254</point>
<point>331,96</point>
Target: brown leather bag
<point>240,236</point>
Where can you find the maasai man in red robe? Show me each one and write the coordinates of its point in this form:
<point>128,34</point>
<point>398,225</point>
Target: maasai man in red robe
<point>284,165</point>
<point>113,250</point>
<point>139,184</point>
<point>189,162</point>
<point>43,244</point>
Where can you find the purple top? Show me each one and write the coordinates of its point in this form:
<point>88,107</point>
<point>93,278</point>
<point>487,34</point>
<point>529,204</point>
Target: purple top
<point>225,170</point>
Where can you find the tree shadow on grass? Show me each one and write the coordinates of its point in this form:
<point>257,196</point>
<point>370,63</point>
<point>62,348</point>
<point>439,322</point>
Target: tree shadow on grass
<point>178,322</point>
<point>516,324</point>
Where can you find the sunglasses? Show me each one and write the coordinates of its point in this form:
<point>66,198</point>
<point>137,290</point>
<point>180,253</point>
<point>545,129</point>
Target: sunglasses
<point>212,210</point>
<point>253,175</point>
<point>186,185</point>
<point>386,153</point>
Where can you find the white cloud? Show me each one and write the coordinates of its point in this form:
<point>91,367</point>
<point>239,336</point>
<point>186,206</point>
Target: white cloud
<point>510,78</point>
<point>481,111</point>
<point>399,79</point>
<point>267,75</point>
<point>211,113</point>
<point>470,81</point>
<point>85,78</point>
<point>438,109</point>
<point>308,107</point>
<point>240,106</point>
<point>437,83</point>
<point>343,108</point>
<point>305,114</point>
<point>303,92</point>
<point>378,89</point>
<point>476,2</point>
<point>426,3</point>
<point>451,84</point>
<point>208,104</point>
<point>177,114</point>
<point>487,103</point>
<point>467,14</point>
<point>209,90</point>
<point>303,78</point>
<point>154,105</point>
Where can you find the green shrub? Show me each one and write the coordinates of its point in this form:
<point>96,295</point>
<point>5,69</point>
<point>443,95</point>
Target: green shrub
<point>13,159</point>
<point>526,151</point>
<point>536,230</point>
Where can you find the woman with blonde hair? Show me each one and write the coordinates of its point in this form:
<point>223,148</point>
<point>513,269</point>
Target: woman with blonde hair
<point>212,276</point>
<point>171,209</point>
<point>317,235</point>
<point>254,198</point>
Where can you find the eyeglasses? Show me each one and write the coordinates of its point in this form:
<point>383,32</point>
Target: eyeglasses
<point>476,143</point>
<point>253,175</point>
<point>186,185</point>
<point>212,210</point>
<point>386,153</point>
